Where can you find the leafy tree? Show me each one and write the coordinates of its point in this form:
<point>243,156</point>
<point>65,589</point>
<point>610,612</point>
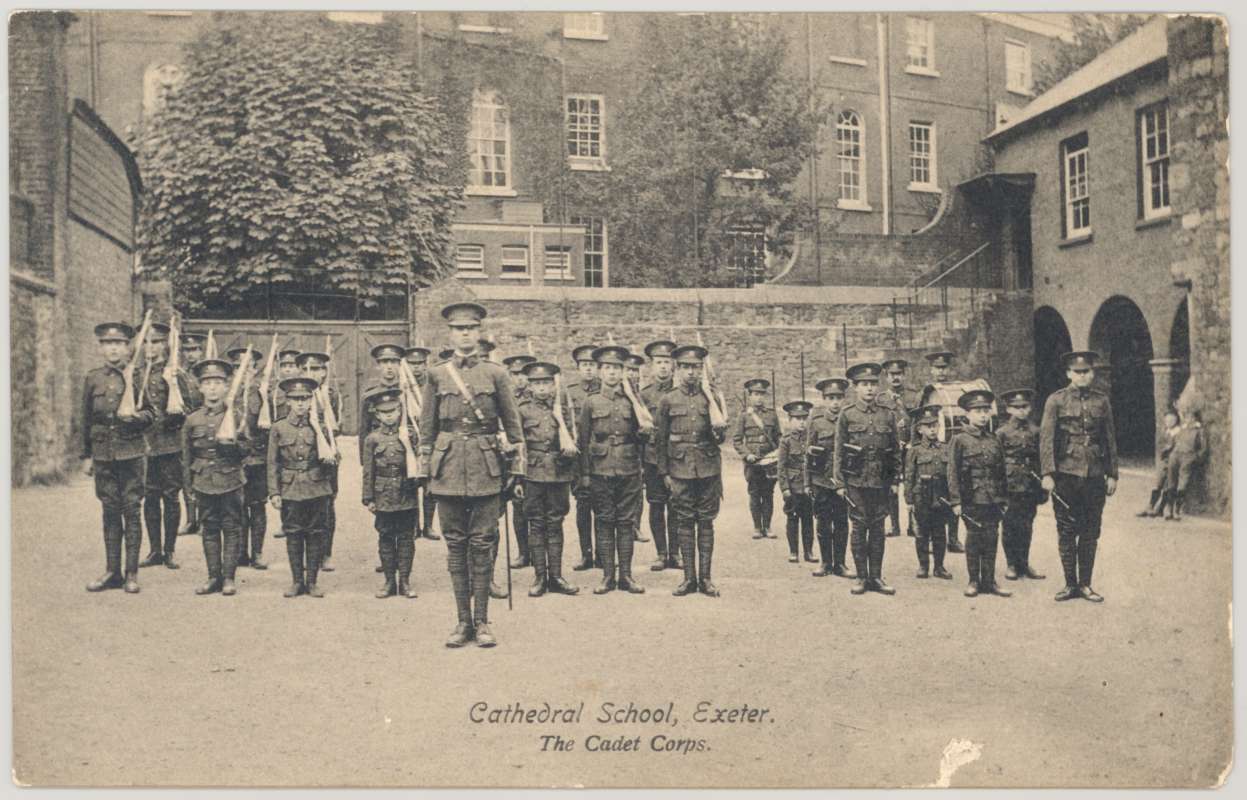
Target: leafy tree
<point>712,95</point>
<point>297,151</point>
<point>1093,34</point>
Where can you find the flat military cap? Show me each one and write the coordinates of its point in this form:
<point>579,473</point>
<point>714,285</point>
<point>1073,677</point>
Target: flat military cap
<point>516,363</point>
<point>690,354</point>
<point>288,356</point>
<point>464,315</point>
<point>865,371</point>
<point>297,388</point>
<point>418,354</point>
<point>193,339</point>
<point>237,353</point>
<point>487,343</point>
<point>384,399</point>
<point>583,353</point>
<point>387,351</point>
<point>320,359</point>
<point>636,360</point>
<point>895,365</point>
<point>540,370</point>
<point>757,385</point>
<point>660,349</point>
<point>1017,397</point>
<point>213,368</point>
<point>942,358</point>
<point>798,408</point>
<point>611,354</point>
<point>158,332</point>
<point>1080,360</point>
<point>976,398</point>
<point>447,354</point>
<point>114,332</point>
<point>927,414</point>
<point>832,386</point>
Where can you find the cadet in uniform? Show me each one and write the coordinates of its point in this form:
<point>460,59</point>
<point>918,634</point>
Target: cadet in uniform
<point>976,489</point>
<point>632,372</point>
<point>255,476</point>
<point>941,364</point>
<point>214,472</point>
<point>756,434</point>
<point>577,394</point>
<point>387,358</point>
<point>418,360</point>
<point>831,511</point>
<point>866,468</point>
<point>192,346</point>
<point>689,460</point>
<point>1019,437</point>
<point>1188,451</point>
<point>163,480</point>
<point>389,492</point>
<point>316,366</point>
<point>546,482</point>
<point>113,447</point>
<point>926,491</point>
<point>287,367</point>
<point>519,522</point>
<point>899,398</point>
<point>793,479</point>
<point>609,438</point>
<point>656,494</point>
<point>1078,457</point>
<point>300,486</point>
<point>466,401</point>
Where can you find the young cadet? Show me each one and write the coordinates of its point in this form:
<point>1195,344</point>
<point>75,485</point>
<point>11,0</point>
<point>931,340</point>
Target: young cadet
<point>1161,496</point>
<point>192,345</point>
<point>1188,452</point>
<point>387,357</point>
<point>418,360</point>
<point>941,366</point>
<point>976,490</point>
<point>899,398</point>
<point>300,486</point>
<point>255,477</point>
<point>656,495</point>
<point>831,511</point>
<point>547,480</point>
<point>609,438</point>
<point>577,394</point>
<point>926,491</point>
<point>316,366</point>
<point>1019,437</point>
<point>112,449</point>
<point>213,470</point>
<point>287,367</point>
<point>389,492</point>
<point>632,372</point>
<point>793,478</point>
<point>519,522</point>
<point>163,480</point>
<point>754,435</point>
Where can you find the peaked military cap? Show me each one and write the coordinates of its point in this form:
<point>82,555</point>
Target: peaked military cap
<point>213,368</point>
<point>1080,360</point>
<point>583,353</point>
<point>942,358</point>
<point>464,315</point>
<point>447,354</point>
<point>296,388</point>
<point>487,343</point>
<point>690,354</point>
<point>660,348</point>
<point>757,385</point>
<point>321,359</point>
<point>238,352</point>
<point>288,356</point>
<point>865,371</point>
<point>383,399</point>
<point>976,398</point>
<point>927,414</point>
<point>114,332</point>
<point>193,339</point>
<point>159,332</point>
<point>516,363</point>
<point>798,408</point>
<point>387,351</point>
<point>832,386</point>
<point>895,365</point>
<point>540,370</point>
<point>1017,397</point>
<point>418,354</point>
<point>636,360</point>
<point>611,354</point>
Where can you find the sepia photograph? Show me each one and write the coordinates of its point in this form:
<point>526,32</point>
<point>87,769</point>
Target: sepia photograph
<point>593,399</point>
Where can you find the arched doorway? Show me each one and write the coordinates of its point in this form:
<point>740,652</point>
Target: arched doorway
<point>1119,333</point>
<point>1180,350</point>
<point>1051,341</point>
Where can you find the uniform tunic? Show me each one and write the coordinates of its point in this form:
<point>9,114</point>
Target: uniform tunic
<point>298,476</point>
<point>688,451</point>
<point>546,483</point>
<point>793,476</point>
<point>610,443</point>
<point>392,493</point>
<point>867,461</point>
<point>831,512</point>
<point>755,432</point>
<point>976,482</point>
<point>164,459</point>
<point>1020,441</point>
<point>214,471</point>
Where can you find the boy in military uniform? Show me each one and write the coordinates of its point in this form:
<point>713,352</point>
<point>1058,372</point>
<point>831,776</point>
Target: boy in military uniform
<point>690,463</point>
<point>387,357</point>
<point>1019,437</point>
<point>656,495</point>
<point>577,395</point>
<point>213,469</point>
<point>633,365</point>
<point>389,492</point>
<point>467,400</point>
<point>866,468</point>
<point>1161,496</point>
<point>926,492</point>
<point>112,449</point>
<point>418,361</point>
<point>941,366</point>
<point>519,522</point>
<point>163,479</point>
<point>255,479</point>
<point>754,435</point>
<point>192,345</point>
<point>287,367</point>
<point>609,439</point>
<point>831,511</point>
<point>976,490</point>
<point>1188,452</point>
<point>316,366</point>
<point>1078,461</point>
<point>300,486</point>
<point>898,397</point>
<point>793,478</point>
<point>547,480</point>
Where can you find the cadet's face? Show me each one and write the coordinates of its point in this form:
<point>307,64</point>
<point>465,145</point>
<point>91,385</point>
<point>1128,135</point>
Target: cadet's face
<point>587,368</point>
<point>939,374</point>
<point>866,390</point>
<point>929,431</point>
<point>1080,378</point>
<point>289,370</point>
<point>315,371</point>
<point>519,379</point>
<point>389,417</point>
<point>896,379</point>
<point>213,389</point>
<point>634,374</point>
<point>756,398</point>
<point>388,367</point>
<point>979,416</point>
<point>663,367</point>
<point>154,351</point>
<point>417,368</point>
<point>798,423</point>
<point>192,353</point>
<point>611,374</point>
<point>1020,411</point>
<point>542,388</point>
<point>114,352</point>
<point>300,405</point>
<point>464,338</point>
<point>833,401</point>
<point>689,373</point>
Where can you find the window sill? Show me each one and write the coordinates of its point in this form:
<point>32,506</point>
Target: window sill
<point>1153,222</point>
<point>560,278</point>
<point>926,188</point>
<point>471,276</point>
<point>483,29</point>
<point>586,35</point>
<point>490,191</point>
<point>853,205</point>
<point>852,62</point>
<point>1020,92</point>
<point>516,277</point>
<point>925,72</point>
<point>589,165</point>
<point>1074,241</point>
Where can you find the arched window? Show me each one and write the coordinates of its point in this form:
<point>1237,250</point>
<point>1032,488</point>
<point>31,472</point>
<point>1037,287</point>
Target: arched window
<point>489,144</point>
<point>851,158</point>
<point>158,81</point>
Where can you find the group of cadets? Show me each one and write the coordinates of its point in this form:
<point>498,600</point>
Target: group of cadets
<point>490,434</point>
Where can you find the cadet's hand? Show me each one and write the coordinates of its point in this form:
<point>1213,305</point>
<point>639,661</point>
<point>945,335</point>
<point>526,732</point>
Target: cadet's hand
<point>893,488</point>
<point>1048,483</point>
<point>275,501</point>
<point>1110,486</point>
<point>842,492</point>
<point>956,510</point>
<point>785,493</point>
<point>570,452</point>
<point>517,491</point>
<point>751,459</point>
<point>372,507</point>
<point>666,481</point>
<point>88,467</point>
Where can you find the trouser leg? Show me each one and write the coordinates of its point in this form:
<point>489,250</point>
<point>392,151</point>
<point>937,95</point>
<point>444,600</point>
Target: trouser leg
<point>767,510</point>
<point>210,522</point>
<point>922,544</point>
<point>839,529</point>
<point>295,547</point>
<point>453,514</point>
<point>705,549</point>
<point>792,521</point>
<point>823,522</point>
<point>584,523</point>
<point>556,511</point>
<point>707,498</point>
<point>519,522</point>
<point>130,477</point>
<point>627,491</point>
<point>606,518</point>
<point>108,491</point>
<point>894,513</point>
<point>231,531</point>
<point>482,531</point>
<point>405,546</point>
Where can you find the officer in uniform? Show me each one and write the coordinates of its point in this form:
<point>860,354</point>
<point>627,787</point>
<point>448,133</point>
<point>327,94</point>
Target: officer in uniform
<point>756,434</point>
<point>316,366</point>
<point>519,522</point>
<point>941,366</point>
<point>690,462</point>
<point>793,477</point>
<point>866,469</point>
<point>1078,460</point>
<point>388,491</point>
<point>902,402</point>
<point>656,495</point>
<point>926,491</point>
<point>113,447</point>
<point>609,438</point>
<point>192,350</point>
<point>214,471</point>
<point>466,402</point>
<point>300,486</point>
<point>547,481</point>
<point>255,475</point>
<point>418,360</point>
<point>976,490</point>
<point>831,512</point>
<point>1019,436</point>
<point>577,395</point>
<point>163,480</point>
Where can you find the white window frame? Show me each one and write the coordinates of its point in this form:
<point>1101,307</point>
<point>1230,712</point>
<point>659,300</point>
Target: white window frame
<point>585,162</point>
<point>920,33</point>
<point>736,234</point>
<point>518,256</point>
<point>932,183</point>
<point>1157,163</point>
<point>574,26</point>
<point>563,273</point>
<point>844,127</point>
<point>470,267</point>
<point>1026,87</point>
<point>586,220</point>
<point>487,100</point>
<point>1076,175</point>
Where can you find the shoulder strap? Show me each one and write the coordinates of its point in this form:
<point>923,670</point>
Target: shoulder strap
<point>463,390</point>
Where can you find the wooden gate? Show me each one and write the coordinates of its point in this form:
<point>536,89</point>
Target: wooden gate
<point>349,346</point>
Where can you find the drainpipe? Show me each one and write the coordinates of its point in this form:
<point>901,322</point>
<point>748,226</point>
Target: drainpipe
<point>885,123</point>
<point>809,75</point>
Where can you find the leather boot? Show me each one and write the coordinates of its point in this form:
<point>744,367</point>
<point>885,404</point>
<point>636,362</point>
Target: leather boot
<point>755,511</point>
<point>154,559</point>
<point>1086,565</point>
<point>484,636</point>
<point>605,546</point>
<point>954,544</point>
<point>405,555</point>
<point>461,635</point>
<point>495,590</point>
<point>228,588</point>
<point>1151,504</point>
<point>687,545</point>
<point>876,546</point>
<point>294,552</point>
<point>659,563</point>
<point>385,548</point>
<point>171,539</point>
<point>521,525</point>
<point>538,552</point>
<point>212,557</point>
<point>924,560</point>
<point>314,546</point>
<point>109,580</point>
<point>132,583</point>
<point>540,580</point>
<point>1179,499</point>
<point>625,544</point>
<point>705,555</point>
<point>481,569</point>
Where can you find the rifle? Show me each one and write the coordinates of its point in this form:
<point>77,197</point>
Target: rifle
<point>567,442</point>
<point>266,412</point>
<point>228,432</point>
<point>246,394</point>
<point>506,523</point>
<point>331,421</point>
<point>966,517</point>
<point>1056,497</point>
<point>414,401</point>
<point>324,450</point>
<point>127,408</point>
<point>718,408</point>
<point>643,417</point>
<point>176,404</point>
<point>210,346</point>
<point>413,465</point>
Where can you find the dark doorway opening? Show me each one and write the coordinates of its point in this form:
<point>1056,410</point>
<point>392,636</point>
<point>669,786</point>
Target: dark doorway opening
<point>1119,333</point>
<point>1051,342</point>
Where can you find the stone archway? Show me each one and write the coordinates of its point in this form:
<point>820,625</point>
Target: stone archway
<point>1051,341</point>
<point>1179,351</point>
<point>1120,334</point>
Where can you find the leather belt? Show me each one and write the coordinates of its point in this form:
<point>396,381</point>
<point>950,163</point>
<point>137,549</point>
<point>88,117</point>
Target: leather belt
<point>542,448</point>
<point>694,438</point>
<point>391,471</point>
<point>615,438</point>
<point>457,426</point>
<point>301,465</point>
